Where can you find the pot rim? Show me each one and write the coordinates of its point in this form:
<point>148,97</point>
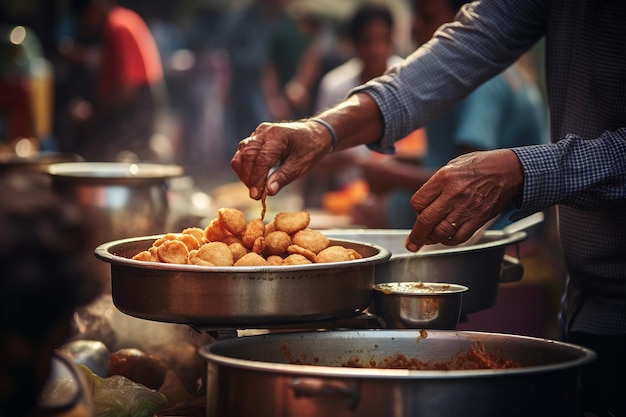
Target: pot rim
<point>319,371</point>
<point>113,172</point>
<point>450,288</point>
<point>500,238</point>
<point>105,252</point>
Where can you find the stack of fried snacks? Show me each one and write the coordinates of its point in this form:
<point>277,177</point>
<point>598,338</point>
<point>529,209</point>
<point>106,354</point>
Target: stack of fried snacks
<point>229,240</point>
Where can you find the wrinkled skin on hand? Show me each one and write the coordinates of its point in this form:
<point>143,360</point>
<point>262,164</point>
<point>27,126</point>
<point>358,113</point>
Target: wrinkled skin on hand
<point>468,191</point>
<point>292,147</point>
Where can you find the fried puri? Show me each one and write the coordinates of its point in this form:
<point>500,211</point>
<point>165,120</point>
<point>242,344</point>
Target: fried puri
<point>196,232</point>
<point>274,260</point>
<point>333,254</point>
<point>168,236</point>
<point>251,259</point>
<point>149,255</point>
<point>276,243</point>
<point>313,240</point>
<point>296,259</point>
<point>215,232</point>
<point>295,249</point>
<point>238,250</point>
<point>173,252</point>
<point>254,230</point>
<point>292,222</point>
<point>233,220</point>
<point>217,253</point>
<point>189,240</point>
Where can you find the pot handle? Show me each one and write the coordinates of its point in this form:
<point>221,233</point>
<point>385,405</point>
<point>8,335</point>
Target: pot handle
<point>511,270</point>
<point>346,392</point>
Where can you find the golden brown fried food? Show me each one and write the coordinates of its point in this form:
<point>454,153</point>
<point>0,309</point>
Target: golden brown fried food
<point>169,236</point>
<point>229,240</point>
<point>274,260</point>
<point>196,232</point>
<point>145,256</point>
<point>259,245</point>
<point>296,259</point>
<point>173,252</point>
<point>291,222</point>
<point>254,230</point>
<point>313,240</point>
<point>233,220</point>
<point>276,243</point>
<point>310,255</point>
<point>238,250</point>
<point>270,227</point>
<point>333,254</point>
<point>215,232</point>
<point>189,240</point>
<point>251,259</point>
<point>216,253</point>
<point>195,260</point>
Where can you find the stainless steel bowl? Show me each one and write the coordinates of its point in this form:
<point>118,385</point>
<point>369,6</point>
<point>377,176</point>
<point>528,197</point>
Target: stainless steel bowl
<point>481,267</point>
<point>240,297</point>
<point>419,305</point>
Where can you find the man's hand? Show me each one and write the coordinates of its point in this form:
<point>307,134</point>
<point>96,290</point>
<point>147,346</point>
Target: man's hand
<point>464,195</point>
<point>291,148</point>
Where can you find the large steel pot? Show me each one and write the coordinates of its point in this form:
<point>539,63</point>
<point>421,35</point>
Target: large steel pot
<point>481,266</point>
<point>118,199</point>
<point>240,297</point>
<point>38,162</point>
<point>130,199</point>
<point>251,376</point>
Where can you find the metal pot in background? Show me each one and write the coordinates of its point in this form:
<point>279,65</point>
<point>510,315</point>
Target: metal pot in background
<point>132,198</point>
<point>253,376</point>
<point>481,266</point>
<point>120,199</point>
<point>38,162</point>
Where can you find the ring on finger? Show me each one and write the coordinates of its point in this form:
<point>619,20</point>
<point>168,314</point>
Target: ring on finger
<point>454,226</point>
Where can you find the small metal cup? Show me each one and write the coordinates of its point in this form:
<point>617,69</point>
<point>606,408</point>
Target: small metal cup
<point>419,305</point>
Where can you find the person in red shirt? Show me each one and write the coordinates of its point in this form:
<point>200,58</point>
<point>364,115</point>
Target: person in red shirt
<point>129,77</point>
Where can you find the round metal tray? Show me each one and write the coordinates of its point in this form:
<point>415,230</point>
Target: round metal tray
<point>240,297</point>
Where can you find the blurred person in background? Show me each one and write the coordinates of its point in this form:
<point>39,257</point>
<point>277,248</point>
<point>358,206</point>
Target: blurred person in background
<point>287,48</point>
<point>129,83</point>
<point>370,30</point>
<point>25,91</point>
<point>43,279</point>
<point>264,45</point>
<point>506,111</point>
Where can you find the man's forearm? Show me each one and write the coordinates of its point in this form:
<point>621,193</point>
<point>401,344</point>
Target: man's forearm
<point>357,121</point>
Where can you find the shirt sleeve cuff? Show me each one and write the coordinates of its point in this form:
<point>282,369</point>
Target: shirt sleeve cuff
<point>542,184</point>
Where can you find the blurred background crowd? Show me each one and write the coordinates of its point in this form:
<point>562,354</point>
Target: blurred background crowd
<point>223,67</point>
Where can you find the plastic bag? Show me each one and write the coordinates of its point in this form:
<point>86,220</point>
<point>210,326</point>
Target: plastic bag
<point>118,396</point>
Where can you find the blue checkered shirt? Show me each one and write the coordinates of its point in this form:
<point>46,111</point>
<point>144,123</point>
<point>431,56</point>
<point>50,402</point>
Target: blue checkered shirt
<point>583,170</point>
